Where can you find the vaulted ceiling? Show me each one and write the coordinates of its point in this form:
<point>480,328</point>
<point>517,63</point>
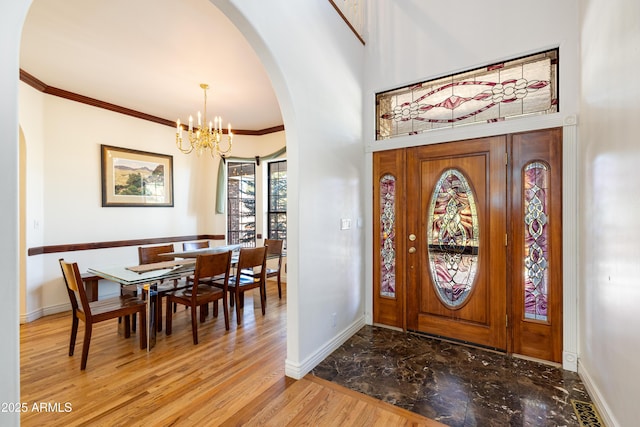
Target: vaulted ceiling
<point>150,56</point>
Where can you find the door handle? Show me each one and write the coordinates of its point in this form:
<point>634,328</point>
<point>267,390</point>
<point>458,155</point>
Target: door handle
<point>412,250</point>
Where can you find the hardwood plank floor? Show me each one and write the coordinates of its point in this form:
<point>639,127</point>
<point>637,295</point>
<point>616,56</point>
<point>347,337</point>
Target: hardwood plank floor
<point>228,379</point>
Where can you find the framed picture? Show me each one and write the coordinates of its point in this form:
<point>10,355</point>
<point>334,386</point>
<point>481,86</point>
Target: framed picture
<point>136,178</point>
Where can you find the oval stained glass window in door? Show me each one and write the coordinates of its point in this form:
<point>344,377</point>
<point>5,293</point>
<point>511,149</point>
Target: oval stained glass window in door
<point>453,238</point>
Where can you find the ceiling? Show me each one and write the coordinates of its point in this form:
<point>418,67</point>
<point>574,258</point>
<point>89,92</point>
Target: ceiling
<point>150,56</point>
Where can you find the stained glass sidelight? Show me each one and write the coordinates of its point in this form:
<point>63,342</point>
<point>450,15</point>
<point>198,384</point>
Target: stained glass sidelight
<point>453,236</point>
<point>388,236</point>
<point>497,92</point>
<point>536,177</point>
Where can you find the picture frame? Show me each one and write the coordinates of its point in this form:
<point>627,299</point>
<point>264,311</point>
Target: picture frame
<point>134,178</point>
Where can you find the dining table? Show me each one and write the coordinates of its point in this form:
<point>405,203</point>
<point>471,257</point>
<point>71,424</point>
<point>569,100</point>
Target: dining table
<point>144,279</point>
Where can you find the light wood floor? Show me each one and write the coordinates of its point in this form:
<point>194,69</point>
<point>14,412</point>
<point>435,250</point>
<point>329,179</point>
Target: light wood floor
<point>228,379</point>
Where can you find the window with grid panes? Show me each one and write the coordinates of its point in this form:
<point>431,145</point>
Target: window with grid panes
<point>277,210</point>
<point>241,202</point>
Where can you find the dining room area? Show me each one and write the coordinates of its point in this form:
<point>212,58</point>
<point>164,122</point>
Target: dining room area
<point>170,382</point>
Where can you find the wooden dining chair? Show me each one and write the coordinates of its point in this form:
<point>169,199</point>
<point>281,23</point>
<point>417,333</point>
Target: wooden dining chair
<point>254,259</point>
<point>201,293</point>
<point>99,311</point>
<point>274,251</point>
<point>189,246</point>
<point>150,255</point>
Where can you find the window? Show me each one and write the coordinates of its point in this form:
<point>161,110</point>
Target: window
<point>536,238</point>
<point>454,238</point>
<point>388,236</point>
<point>241,199</point>
<point>497,92</point>
<point>277,212</point>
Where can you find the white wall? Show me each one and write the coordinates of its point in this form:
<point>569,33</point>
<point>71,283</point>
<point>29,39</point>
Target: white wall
<point>315,64</point>
<point>12,16</point>
<point>610,153</point>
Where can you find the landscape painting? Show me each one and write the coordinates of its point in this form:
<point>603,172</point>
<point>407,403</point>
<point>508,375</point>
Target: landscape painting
<point>136,178</point>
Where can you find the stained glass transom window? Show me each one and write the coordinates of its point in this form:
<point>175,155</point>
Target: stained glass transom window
<point>536,177</point>
<point>388,236</point>
<point>494,93</point>
<point>453,238</point>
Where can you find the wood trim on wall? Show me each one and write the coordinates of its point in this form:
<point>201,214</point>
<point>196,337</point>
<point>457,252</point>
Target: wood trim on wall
<point>70,247</point>
<point>344,18</point>
<point>50,90</point>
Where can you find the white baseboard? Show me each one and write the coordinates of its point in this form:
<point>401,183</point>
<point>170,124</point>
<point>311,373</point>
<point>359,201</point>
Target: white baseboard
<point>299,370</point>
<point>45,311</point>
<point>53,309</point>
<point>570,361</point>
<point>601,405</point>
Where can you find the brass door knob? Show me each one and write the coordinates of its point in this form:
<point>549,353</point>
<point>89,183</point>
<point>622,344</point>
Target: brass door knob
<point>412,250</point>
<point>412,237</point>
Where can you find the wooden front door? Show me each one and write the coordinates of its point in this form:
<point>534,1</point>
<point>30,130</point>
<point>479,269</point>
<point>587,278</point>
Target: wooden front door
<point>468,241</point>
<point>456,279</point>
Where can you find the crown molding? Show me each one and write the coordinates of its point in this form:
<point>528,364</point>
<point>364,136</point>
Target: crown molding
<point>39,85</point>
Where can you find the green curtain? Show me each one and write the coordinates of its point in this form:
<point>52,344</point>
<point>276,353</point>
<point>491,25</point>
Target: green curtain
<point>221,189</point>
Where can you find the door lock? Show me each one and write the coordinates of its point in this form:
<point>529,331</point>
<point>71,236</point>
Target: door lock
<point>412,237</point>
<point>412,250</point>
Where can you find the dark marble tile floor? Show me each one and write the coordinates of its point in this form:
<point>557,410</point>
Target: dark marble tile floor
<point>454,384</point>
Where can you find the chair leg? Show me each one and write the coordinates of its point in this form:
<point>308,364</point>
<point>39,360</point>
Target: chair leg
<point>225,309</point>
<point>238,309</point>
<point>85,345</point>
<point>263,297</point>
<point>194,324</point>
<point>127,326</point>
<point>169,320</point>
<point>159,313</point>
<point>74,333</point>
<point>143,329</point>
<point>279,287</point>
<point>215,307</point>
<point>204,312</point>
<point>240,299</point>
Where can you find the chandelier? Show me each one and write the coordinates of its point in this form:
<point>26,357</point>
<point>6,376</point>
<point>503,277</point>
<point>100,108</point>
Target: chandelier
<point>203,138</point>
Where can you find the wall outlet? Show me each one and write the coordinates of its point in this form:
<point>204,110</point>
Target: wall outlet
<point>333,320</point>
